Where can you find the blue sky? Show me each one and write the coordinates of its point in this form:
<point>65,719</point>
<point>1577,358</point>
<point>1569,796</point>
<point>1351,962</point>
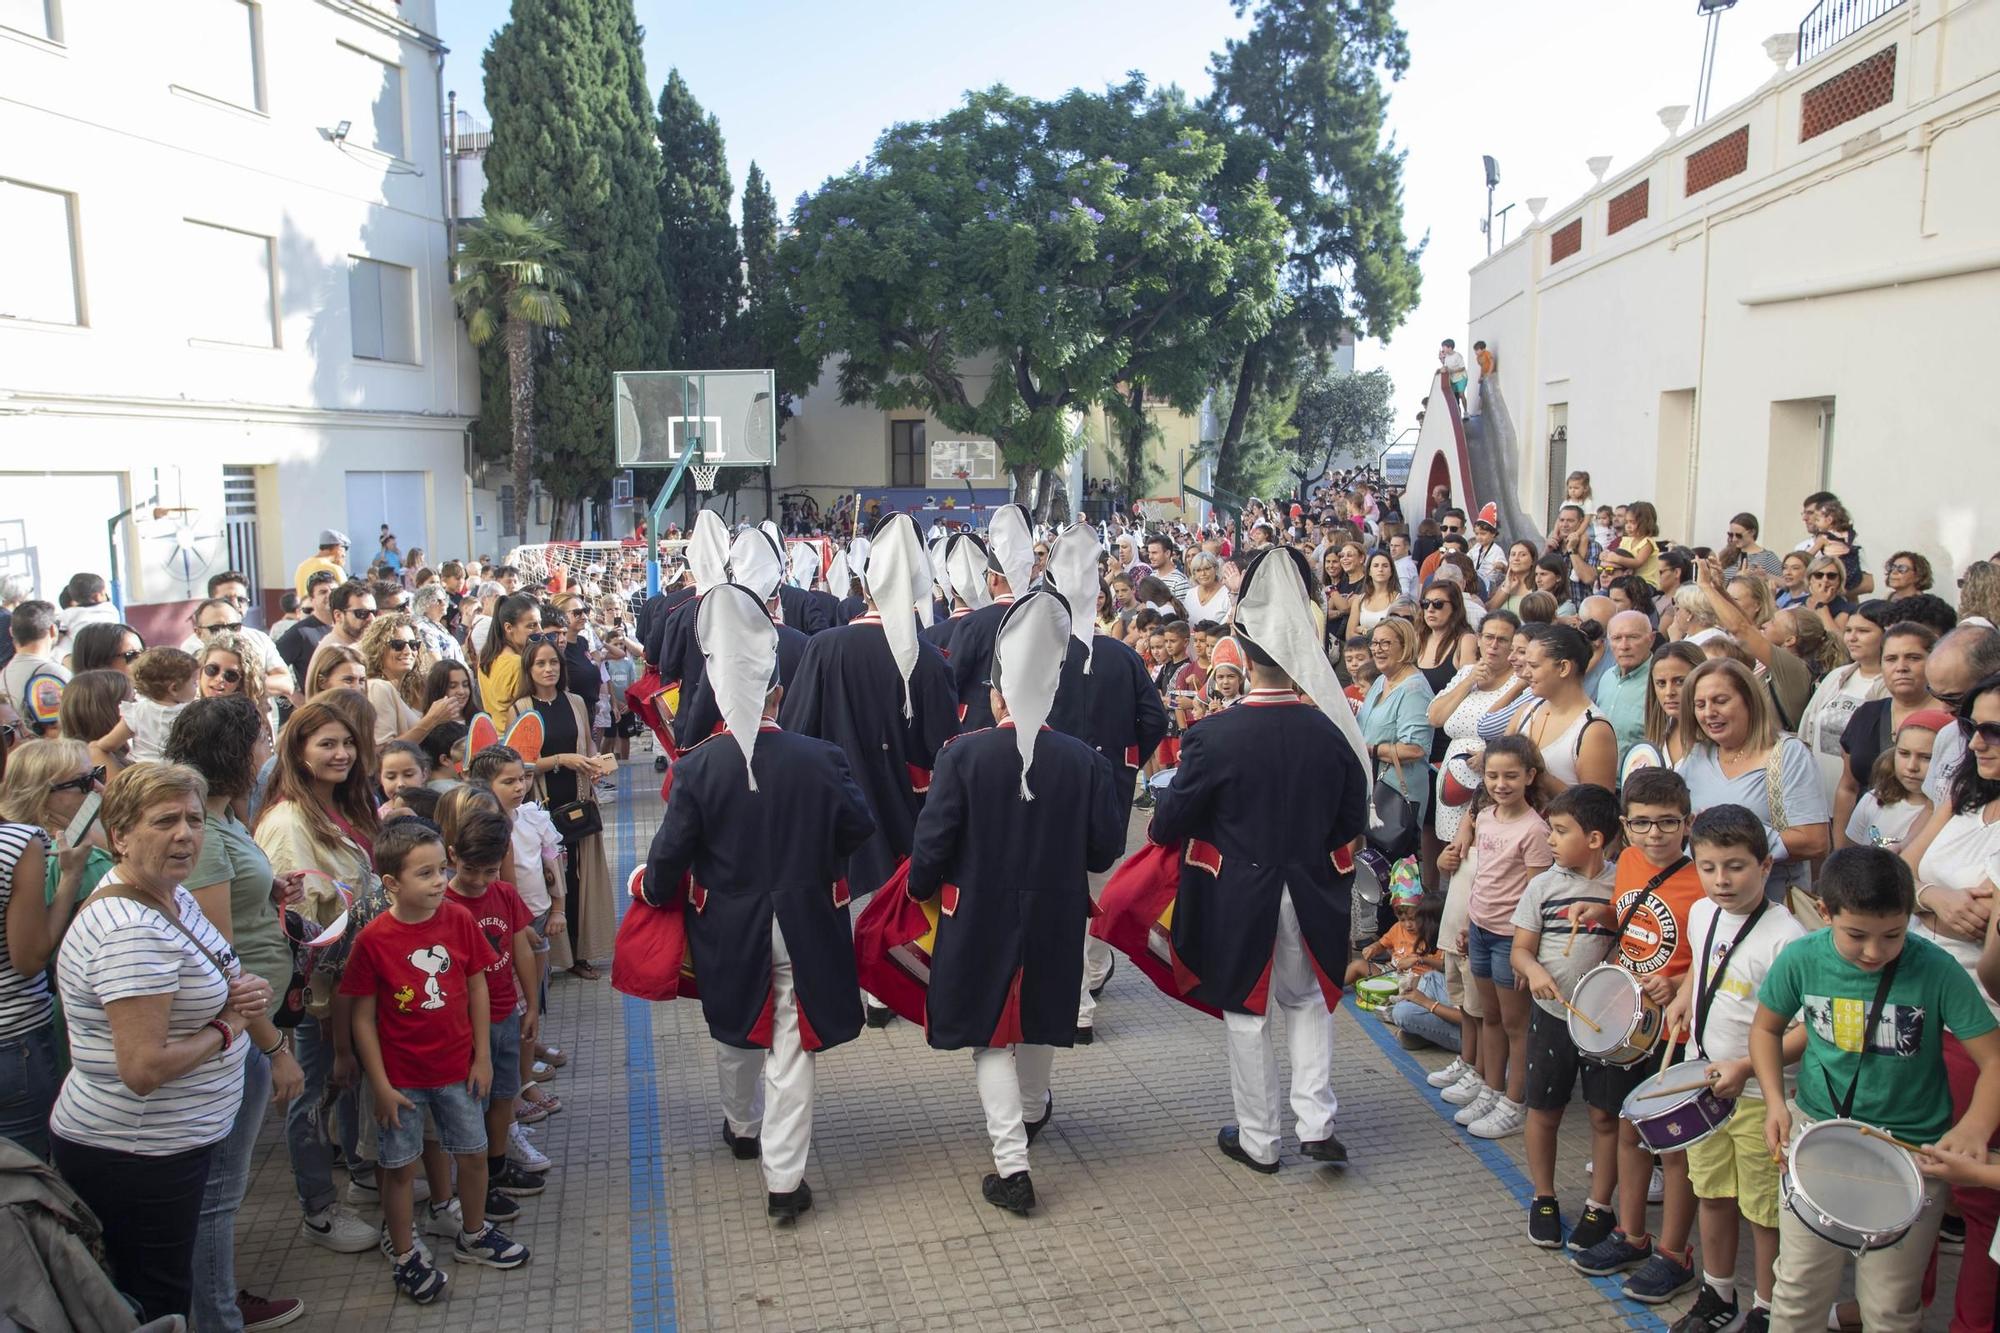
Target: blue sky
<point>805,88</point>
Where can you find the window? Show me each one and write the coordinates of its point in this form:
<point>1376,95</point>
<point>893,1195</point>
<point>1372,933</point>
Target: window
<point>38,263</point>
<point>221,51</point>
<point>372,98</point>
<point>381,297</point>
<point>234,299</point>
<point>37,18</point>
<point>907,453</point>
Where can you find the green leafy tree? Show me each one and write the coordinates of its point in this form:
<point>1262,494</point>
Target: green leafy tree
<point>1304,89</point>
<point>512,286</point>
<point>1338,416</point>
<point>1260,465</point>
<point>1018,259</point>
<point>573,136</point>
<point>699,257</point>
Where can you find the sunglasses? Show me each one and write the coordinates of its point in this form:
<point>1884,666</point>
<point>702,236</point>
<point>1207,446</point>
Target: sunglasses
<point>577,613</point>
<point>402,645</point>
<point>363,616</point>
<point>1451,528</point>
<point>1441,605</point>
<point>1826,574</point>
<point>539,637</point>
<point>230,628</point>
<point>229,675</point>
<point>1981,731</point>
<point>1739,536</point>
<point>83,782</point>
<point>1896,569</point>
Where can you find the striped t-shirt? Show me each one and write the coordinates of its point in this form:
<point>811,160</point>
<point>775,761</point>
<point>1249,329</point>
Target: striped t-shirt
<point>117,949</point>
<point>24,1001</point>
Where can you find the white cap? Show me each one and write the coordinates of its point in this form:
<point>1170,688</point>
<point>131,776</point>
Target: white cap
<point>755,563</point>
<point>708,550</point>
<point>1027,666</point>
<point>805,565</point>
<point>839,576</point>
<point>741,644</point>
<point>857,555</point>
<point>1010,540</point>
<point>966,560</point>
<point>899,582</point>
<point>1073,569</point>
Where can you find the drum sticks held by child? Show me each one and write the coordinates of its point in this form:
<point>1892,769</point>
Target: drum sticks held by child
<point>1579,1015</point>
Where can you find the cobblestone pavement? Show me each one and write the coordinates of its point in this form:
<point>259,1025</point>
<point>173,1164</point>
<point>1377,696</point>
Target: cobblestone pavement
<point>648,1223</point>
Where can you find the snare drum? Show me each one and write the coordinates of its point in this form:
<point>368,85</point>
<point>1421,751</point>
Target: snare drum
<point>1849,1187</point>
<point>1628,1022</point>
<point>1374,993</point>
<point>1670,1121</point>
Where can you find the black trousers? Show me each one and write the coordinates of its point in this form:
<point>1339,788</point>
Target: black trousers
<point>150,1208</point>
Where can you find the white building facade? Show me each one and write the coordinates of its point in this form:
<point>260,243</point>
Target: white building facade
<point>1797,295</point>
<point>224,293</point>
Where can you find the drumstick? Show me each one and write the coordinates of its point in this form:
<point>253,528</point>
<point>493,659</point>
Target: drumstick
<point>1581,1015</point>
<point>1887,1137</point>
<point>1680,1088</point>
<point>1570,943</point>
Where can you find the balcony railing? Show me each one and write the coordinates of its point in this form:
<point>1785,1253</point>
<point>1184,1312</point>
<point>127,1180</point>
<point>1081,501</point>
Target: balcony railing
<point>1833,21</point>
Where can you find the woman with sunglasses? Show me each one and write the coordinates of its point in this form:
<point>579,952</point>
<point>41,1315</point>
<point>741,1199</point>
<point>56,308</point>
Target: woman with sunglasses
<point>46,784</point>
<point>1907,574</point>
<point>105,647</point>
<point>399,662</point>
<point>568,764</point>
<point>1953,858</point>
<point>516,625</point>
<point>1826,581</point>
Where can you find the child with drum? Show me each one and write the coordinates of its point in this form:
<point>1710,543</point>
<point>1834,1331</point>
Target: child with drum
<point>1877,1003</point>
<point>1398,952</point>
<point>1736,940</point>
<point>1657,886</point>
<point>1549,958</point>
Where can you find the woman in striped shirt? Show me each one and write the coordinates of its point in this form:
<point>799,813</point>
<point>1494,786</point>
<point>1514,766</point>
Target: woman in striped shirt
<point>158,1010</point>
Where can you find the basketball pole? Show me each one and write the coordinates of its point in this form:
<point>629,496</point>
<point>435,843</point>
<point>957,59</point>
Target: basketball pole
<point>666,495</point>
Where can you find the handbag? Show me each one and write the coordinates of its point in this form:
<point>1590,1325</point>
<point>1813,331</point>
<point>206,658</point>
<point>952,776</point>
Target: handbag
<point>1400,832</point>
<point>577,820</point>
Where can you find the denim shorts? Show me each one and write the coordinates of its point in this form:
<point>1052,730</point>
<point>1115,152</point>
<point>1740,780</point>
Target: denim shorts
<point>1487,955</point>
<point>540,925</point>
<point>461,1125</point>
<point>506,1047</point>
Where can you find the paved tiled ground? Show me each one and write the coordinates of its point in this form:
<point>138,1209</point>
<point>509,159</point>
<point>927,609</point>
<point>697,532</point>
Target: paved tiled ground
<point>1142,1224</point>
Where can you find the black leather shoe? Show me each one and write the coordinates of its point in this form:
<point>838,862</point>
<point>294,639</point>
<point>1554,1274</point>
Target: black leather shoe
<point>879,1015</point>
<point>1048,1113</point>
<point>659,763</point>
<point>1084,1036</point>
<point>745,1146</point>
<point>787,1207</point>
<point>1015,1193</point>
<point>1109,973</point>
<point>1328,1149</point>
<point>1228,1138</point>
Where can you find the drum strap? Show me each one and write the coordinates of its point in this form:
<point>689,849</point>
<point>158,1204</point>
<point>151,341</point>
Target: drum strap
<point>1844,1106</point>
<point>1632,908</point>
<point>1706,986</point>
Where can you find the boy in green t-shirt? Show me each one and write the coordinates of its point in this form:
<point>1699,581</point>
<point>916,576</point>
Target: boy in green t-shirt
<point>1876,1005</point>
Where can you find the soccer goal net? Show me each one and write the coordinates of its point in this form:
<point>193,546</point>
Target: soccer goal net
<point>587,566</point>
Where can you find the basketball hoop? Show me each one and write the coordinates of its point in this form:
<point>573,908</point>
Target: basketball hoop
<point>704,476</point>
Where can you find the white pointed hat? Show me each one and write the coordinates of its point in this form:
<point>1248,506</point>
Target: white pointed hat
<point>1073,568</point>
<point>741,644</point>
<point>1027,666</point>
<point>935,548</point>
<point>804,565</point>
<point>708,550</point>
<point>755,563</point>
<point>966,560</point>
<point>1010,541</point>
<point>899,583</point>
<point>839,575</point>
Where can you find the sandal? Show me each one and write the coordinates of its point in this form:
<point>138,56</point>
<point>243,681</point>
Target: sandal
<point>583,971</point>
<point>530,1113</point>
<point>541,1071</point>
<point>548,1103</point>
<point>551,1055</point>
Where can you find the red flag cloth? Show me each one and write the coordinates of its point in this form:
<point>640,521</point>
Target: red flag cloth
<point>1135,917</point>
<point>642,697</point>
<point>892,946</point>
<point>649,960</point>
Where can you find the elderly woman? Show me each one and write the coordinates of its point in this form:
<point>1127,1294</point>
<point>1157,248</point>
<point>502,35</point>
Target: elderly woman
<point>1906,573</point>
<point>1740,757</point>
<point>398,664</point>
<point>90,713</point>
<point>1207,599</point>
<point>45,784</point>
<point>162,1019</point>
<point>1395,713</point>
<point>430,607</point>
<point>220,737</point>
<point>1826,593</point>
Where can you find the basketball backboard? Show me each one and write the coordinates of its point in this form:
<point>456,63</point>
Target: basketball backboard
<point>963,460</point>
<point>725,417</point>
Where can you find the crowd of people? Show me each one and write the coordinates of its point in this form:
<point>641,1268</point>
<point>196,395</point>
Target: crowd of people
<point>325,872</point>
<point>333,867</point>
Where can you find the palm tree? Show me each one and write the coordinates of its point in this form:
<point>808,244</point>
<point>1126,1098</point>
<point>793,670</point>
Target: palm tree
<point>511,282</point>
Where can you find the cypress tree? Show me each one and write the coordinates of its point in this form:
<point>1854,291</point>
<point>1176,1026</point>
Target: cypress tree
<point>699,260</point>
<point>573,136</point>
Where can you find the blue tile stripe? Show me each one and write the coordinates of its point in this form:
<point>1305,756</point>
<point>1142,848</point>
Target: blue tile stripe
<point>652,1250</point>
<point>1497,1160</point>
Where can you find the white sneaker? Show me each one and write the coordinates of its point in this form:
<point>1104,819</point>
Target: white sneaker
<point>336,1229</point>
<point>1478,1108</point>
<point>1450,1074</point>
<point>1504,1119</point>
<point>446,1222</point>
<point>1656,1188</point>
<point>523,1153</point>
<point>1469,1086</point>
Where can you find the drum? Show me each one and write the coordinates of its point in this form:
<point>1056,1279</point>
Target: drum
<point>1670,1113</point>
<point>1374,993</point>
<point>1627,1021</point>
<point>1849,1187</point>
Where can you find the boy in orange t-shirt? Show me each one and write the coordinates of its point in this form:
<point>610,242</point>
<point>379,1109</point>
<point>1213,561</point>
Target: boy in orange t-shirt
<point>1656,888</point>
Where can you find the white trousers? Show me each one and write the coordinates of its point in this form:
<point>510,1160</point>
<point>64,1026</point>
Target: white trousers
<point>1096,961</point>
<point>1253,1064</point>
<point>770,1094</point>
<point>1012,1080</point>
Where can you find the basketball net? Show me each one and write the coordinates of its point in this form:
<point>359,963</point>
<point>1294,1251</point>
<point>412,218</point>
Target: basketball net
<point>704,476</point>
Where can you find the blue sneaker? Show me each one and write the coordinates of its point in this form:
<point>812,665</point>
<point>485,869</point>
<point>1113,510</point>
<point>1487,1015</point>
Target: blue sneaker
<point>491,1247</point>
<point>1614,1254</point>
<point>1660,1279</point>
<point>418,1278</point>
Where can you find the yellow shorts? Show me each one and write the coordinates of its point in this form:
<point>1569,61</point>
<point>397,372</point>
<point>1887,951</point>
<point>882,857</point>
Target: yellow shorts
<point>1459,992</point>
<point>1733,1163</point>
